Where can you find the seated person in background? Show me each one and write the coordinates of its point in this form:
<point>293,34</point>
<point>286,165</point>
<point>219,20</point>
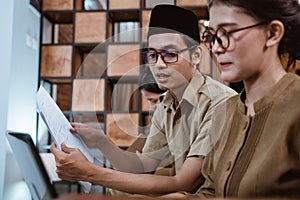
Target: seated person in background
<point>258,154</point>
<point>150,90</point>
<point>180,124</point>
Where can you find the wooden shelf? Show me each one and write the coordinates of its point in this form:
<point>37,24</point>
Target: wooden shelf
<point>59,17</point>
<point>91,53</point>
<point>124,16</point>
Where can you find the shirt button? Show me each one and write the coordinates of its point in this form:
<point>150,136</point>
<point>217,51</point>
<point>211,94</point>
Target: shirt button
<point>245,125</point>
<point>228,166</point>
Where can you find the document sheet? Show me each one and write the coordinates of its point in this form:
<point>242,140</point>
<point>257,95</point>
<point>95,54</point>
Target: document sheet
<point>59,127</point>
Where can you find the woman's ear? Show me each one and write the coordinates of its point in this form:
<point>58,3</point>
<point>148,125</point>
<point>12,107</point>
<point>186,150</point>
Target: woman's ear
<point>275,32</point>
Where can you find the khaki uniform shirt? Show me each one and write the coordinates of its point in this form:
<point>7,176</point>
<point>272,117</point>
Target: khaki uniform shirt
<point>181,128</point>
<point>258,156</point>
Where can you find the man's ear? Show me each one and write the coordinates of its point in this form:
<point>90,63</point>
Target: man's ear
<point>275,32</point>
<point>196,56</point>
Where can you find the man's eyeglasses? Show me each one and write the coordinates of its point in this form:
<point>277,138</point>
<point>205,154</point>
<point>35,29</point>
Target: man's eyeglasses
<point>222,36</point>
<point>150,56</point>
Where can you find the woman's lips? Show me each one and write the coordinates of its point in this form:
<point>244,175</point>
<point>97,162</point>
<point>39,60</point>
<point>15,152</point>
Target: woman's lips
<point>224,65</point>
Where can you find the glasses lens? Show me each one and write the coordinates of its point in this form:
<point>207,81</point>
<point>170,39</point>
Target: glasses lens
<point>169,57</point>
<point>222,38</point>
<point>150,57</point>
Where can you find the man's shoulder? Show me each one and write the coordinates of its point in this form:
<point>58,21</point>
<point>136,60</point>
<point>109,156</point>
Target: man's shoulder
<point>217,90</point>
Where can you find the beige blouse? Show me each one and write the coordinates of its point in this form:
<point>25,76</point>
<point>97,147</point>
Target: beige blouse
<point>258,156</point>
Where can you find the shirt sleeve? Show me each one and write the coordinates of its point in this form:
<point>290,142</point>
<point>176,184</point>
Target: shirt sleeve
<point>209,129</point>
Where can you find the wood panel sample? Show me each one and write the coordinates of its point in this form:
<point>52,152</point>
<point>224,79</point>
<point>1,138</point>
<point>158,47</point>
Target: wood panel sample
<point>191,3</point>
<point>63,98</point>
<point>129,94</point>
<point>90,27</point>
<point>88,95</point>
<point>94,64</point>
<point>123,60</point>
<point>56,61</point>
<point>124,4</point>
<point>58,5</point>
<point>65,33</point>
<point>122,128</point>
<point>145,23</point>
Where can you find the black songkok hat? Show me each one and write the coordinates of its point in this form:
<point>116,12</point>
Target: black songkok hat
<point>171,18</point>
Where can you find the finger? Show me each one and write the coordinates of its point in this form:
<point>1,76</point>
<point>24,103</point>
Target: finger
<point>66,149</point>
<point>73,130</point>
<point>54,149</point>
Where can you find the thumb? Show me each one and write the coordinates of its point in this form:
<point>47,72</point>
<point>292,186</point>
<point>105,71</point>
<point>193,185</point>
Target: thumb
<point>65,149</point>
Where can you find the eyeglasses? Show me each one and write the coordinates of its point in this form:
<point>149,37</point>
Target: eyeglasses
<point>222,36</point>
<point>150,56</point>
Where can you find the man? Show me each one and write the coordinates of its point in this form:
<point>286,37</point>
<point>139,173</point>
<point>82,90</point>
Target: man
<point>179,125</point>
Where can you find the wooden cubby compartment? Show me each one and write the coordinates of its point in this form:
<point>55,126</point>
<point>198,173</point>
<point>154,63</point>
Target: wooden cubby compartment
<point>122,128</point>
<point>123,60</point>
<point>90,27</point>
<point>145,23</point>
<point>126,4</point>
<point>63,96</point>
<point>56,61</point>
<point>90,61</point>
<point>88,95</point>
<point>55,5</point>
<point>195,3</point>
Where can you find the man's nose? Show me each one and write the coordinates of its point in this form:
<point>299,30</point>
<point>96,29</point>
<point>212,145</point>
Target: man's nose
<point>160,61</point>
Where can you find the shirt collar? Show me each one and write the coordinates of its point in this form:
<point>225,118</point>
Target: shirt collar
<point>189,93</point>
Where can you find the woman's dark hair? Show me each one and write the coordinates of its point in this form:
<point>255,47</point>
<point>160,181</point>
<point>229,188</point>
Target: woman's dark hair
<point>148,82</point>
<point>286,11</point>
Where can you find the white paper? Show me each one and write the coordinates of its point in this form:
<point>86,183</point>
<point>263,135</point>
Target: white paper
<point>59,127</point>
<point>49,163</point>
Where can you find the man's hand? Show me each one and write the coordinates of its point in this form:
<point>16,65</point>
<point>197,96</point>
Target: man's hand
<point>71,164</point>
<point>90,136</point>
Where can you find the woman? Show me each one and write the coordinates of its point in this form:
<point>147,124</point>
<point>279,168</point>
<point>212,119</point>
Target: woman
<point>258,154</point>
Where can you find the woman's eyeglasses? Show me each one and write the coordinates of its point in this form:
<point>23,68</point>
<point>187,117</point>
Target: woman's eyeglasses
<point>222,36</point>
<point>150,56</point>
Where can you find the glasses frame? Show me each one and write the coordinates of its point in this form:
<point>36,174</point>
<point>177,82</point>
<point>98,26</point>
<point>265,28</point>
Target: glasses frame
<point>177,52</point>
<point>227,34</point>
